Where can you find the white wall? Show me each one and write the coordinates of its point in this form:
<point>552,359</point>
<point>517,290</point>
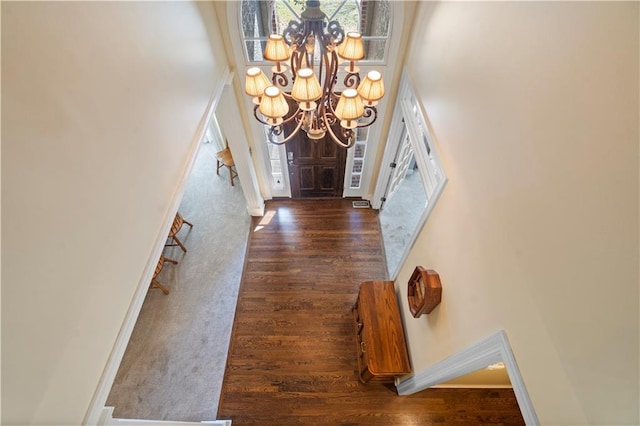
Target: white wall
<point>534,107</point>
<point>101,102</point>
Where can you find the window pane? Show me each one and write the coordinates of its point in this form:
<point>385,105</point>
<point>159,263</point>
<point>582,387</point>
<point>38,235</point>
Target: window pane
<point>362,133</point>
<point>274,151</point>
<point>424,139</point>
<point>357,166</point>
<point>284,14</point>
<point>355,181</point>
<point>255,18</point>
<point>348,14</point>
<point>255,49</point>
<point>374,49</point>
<point>376,17</point>
<point>276,167</point>
<point>371,18</point>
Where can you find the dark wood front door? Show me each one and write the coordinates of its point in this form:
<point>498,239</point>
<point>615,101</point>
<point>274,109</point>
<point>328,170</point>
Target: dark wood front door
<point>316,168</point>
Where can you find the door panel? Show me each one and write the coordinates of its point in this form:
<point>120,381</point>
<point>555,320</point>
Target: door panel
<point>316,168</point>
<point>328,181</point>
<point>306,178</point>
<point>328,150</point>
<point>304,150</point>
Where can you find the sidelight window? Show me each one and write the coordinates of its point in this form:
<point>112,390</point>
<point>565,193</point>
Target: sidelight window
<point>359,152</point>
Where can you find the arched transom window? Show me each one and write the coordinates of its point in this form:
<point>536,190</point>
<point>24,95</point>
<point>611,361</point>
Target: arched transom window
<point>372,18</point>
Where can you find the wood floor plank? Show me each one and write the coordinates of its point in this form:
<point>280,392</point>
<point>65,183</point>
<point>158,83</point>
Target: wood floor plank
<point>292,356</point>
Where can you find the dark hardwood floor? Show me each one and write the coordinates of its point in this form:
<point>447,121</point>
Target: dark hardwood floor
<point>292,355</point>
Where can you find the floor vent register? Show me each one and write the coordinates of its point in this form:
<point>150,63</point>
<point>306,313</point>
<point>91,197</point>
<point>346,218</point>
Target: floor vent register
<point>364,204</point>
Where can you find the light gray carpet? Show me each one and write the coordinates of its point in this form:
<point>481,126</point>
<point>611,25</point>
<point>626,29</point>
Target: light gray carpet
<point>174,363</point>
<point>399,218</point>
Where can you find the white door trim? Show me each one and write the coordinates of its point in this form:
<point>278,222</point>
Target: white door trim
<point>402,160</point>
<point>391,148</point>
<point>235,135</point>
<point>404,117</point>
<point>494,348</point>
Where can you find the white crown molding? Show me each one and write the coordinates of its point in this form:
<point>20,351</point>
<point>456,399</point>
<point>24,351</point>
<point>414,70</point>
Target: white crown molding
<point>494,348</point>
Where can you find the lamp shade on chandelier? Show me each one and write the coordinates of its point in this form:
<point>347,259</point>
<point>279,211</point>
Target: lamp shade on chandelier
<point>306,89</point>
<point>349,108</point>
<point>273,105</point>
<point>306,97</point>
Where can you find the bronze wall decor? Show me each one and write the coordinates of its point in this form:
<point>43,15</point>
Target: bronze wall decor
<point>424,291</point>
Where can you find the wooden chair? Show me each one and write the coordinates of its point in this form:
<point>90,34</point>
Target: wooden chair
<point>175,228</point>
<point>154,281</point>
<point>224,158</point>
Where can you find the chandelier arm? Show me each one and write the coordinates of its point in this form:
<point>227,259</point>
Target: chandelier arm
<point>335,30</point>
<point>298,54</point>
<point>292,32</point>
<point>295,63</point>
<point>294,37</point>
<point>335,98</point>
<point>368,112</point>
<point>255,114</point>
<point>316,122</point>
<point>338,141</point>
<point>291,117</point>
<point>326,87</point>
<point>347,133</point>
<point>329,115</point>
<point>332,76</point>
<point>305,42</point>
<point>294,115</point>
<point>352,79</point>
<point>274,130</point>
<point>324,63</point>
<point>317,29</point>
<point>334,71</point>
<point>280,79</point>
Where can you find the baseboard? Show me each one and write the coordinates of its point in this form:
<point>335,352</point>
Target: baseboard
<point>471,387</point>
<point>256,210</point>
<point>108,420</point>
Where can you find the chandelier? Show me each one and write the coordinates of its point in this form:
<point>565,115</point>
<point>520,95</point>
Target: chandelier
<point>314,48</point>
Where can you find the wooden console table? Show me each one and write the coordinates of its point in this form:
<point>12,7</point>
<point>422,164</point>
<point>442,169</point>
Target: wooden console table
<point>382,351</point>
